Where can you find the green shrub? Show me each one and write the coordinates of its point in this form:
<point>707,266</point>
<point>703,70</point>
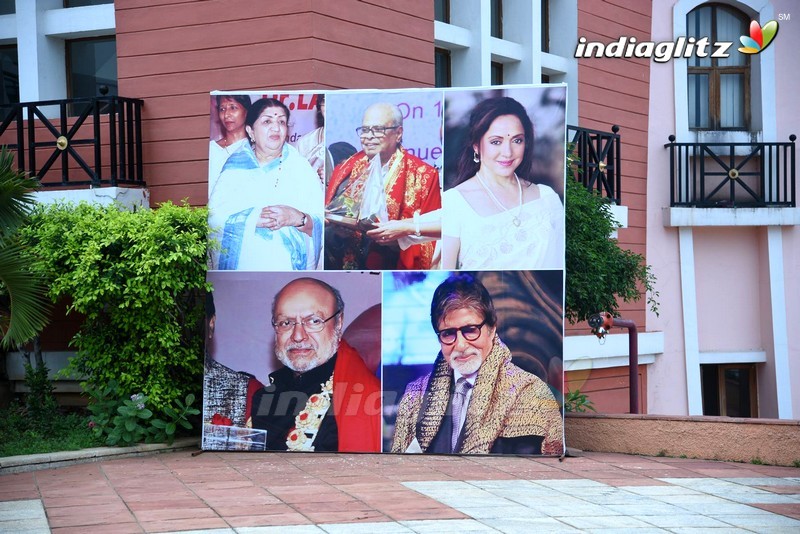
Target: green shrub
<point>598,271</point>
<point>60,431</point>
<point>122,419</point>
<point>575,401</point>
<point>138,278</point>
<point>39,400</point>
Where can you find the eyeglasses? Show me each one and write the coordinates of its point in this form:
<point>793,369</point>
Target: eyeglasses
<point>471,332</point>
<point>313,323</point>
<point>377,131</point>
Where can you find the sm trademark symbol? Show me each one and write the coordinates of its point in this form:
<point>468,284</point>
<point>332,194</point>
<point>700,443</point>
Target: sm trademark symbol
<point>784,16</point>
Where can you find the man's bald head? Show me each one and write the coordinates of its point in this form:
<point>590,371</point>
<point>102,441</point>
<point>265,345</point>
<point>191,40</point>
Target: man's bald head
<point>385,110</point>
<point>382,115</point>
<point>314,285</point>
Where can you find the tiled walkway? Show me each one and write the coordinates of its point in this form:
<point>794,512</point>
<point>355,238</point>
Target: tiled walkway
<point>352,494</point>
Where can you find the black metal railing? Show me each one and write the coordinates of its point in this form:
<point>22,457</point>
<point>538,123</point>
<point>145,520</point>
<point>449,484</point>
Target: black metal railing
<point>729,175</point>
<point>106,131</point>
<point>598,162</point>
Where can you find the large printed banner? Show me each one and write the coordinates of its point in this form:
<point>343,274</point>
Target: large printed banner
<point>430,224</point>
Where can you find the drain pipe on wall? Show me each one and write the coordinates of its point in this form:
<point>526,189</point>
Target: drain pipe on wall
<point>601,323</point>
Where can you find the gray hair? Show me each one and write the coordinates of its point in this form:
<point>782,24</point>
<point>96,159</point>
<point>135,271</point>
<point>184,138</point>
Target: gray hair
<point>396,114</point>
<point>459,291</point>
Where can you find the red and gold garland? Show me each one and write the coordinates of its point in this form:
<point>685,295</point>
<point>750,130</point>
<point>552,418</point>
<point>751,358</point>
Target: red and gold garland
<point>308,421</point>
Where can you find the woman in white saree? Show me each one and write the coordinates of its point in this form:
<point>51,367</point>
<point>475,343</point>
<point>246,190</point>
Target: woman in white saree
<point>496,217</point>
<point>266,209</point>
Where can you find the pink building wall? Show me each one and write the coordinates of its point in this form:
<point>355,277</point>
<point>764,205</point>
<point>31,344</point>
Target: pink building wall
<point>667,392</point>
<point>787,82</point>
<point>729,282</point>
<point>732,270</point>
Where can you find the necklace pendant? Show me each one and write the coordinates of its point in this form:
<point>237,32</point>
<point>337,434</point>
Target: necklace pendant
<point>516,221</point>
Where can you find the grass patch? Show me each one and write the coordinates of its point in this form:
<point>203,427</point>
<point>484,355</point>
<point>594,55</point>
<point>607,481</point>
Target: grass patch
<point>54,432</point>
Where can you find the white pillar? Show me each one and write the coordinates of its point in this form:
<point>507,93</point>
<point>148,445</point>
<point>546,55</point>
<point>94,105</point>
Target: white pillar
<point>522,25</point>
<point>690,336</point>
<point>42,72</point>
<point>780,334</point>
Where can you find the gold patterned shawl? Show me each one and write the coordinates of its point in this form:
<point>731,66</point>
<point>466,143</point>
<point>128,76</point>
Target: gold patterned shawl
<point>411,185</point>
<point>506,402</point>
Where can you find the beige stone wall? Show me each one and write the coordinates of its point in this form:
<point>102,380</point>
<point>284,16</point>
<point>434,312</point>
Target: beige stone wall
<point>770,441</point>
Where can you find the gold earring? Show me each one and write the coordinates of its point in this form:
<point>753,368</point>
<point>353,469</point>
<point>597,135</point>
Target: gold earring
<point>475,158</point>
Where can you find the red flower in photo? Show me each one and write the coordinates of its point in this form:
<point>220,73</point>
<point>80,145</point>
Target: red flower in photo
<point>218,419</point>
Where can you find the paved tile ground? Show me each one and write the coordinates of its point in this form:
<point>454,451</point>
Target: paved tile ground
<point>353,494</point>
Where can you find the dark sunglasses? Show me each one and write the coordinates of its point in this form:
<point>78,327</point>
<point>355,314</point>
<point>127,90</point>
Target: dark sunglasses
<point>471,332</point>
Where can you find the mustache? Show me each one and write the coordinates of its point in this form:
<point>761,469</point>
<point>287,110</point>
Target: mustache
<point>461,353</point>
<point>298,346</point>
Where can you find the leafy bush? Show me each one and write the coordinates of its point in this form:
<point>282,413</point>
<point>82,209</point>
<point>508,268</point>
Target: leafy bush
<point>138,278</point>
<point>39,400</point>
<point>598,271</point>
<point>121,419</point>
<point>577,402</point>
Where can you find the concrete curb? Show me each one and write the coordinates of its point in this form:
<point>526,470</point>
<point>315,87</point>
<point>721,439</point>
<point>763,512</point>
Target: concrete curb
<point>34,462</point>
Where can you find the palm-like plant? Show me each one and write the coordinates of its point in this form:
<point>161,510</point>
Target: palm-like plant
<point>23,302</point>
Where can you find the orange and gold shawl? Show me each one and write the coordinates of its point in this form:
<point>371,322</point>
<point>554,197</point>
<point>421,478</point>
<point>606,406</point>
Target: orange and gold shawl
<point>412,185</point>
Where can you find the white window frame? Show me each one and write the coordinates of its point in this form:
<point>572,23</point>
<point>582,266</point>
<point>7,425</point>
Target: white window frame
<point>762,81</point>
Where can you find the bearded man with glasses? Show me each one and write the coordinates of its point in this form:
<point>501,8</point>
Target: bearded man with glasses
<point>411,187</point>
<point>324,398</point>
<point>475,400</point>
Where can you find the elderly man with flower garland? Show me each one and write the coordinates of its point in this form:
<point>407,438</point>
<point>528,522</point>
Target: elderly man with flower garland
<point>324,398</point>
<point>475,400</point>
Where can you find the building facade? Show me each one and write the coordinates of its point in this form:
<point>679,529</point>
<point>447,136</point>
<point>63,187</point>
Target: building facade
<point>723,238</point>
<point>170,54</point>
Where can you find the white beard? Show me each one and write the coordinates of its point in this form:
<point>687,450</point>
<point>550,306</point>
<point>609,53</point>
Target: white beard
<point>303,364</point>
<point>466,367</point>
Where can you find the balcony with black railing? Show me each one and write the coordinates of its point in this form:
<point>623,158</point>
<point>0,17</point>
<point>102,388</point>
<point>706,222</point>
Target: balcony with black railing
<point>598,160</point>
<point>732,175</point>
<point>76,142</point>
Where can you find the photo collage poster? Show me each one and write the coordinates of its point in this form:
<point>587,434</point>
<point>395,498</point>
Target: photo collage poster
<point>431,226</point>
